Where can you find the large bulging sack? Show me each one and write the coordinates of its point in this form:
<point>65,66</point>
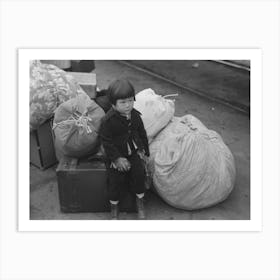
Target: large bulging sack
<point>76,126</point>
<point>156,111</point>
<point>191,166</point>
<point>49,87</point>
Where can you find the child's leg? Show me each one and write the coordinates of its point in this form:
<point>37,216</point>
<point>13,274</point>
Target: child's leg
<point>116,181</point>
<point>137,182</point>
<point>137,175</point>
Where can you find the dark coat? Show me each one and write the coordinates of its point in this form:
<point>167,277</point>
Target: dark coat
<point>114,134</point>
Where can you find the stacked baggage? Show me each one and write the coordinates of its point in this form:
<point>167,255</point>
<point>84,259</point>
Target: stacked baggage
<point>67,130</point>
<point>50,87</point>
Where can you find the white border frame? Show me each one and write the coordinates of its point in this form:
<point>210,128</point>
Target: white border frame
<point>254,224</point>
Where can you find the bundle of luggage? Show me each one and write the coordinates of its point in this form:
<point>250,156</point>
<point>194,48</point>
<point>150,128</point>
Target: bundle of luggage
<point>190,165</point>
<point>62,112</point>
<point>57,95</point>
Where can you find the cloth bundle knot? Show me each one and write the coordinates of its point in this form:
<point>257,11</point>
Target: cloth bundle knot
<point>80,120</point>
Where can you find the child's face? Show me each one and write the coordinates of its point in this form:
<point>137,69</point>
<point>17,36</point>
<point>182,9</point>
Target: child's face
<point>124,106</point>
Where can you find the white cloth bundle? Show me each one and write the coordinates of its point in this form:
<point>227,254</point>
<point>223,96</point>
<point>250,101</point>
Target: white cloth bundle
<point>156,111</point>
<point>192,168</point>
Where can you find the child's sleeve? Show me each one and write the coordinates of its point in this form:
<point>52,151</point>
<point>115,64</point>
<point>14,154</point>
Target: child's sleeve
<point>143,136</point>
<point>106,138</point>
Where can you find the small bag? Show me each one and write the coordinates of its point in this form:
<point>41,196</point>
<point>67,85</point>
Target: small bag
<point>76,127</point>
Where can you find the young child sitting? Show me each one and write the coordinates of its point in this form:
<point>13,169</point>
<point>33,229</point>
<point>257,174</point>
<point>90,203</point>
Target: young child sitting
<point>125,142</point>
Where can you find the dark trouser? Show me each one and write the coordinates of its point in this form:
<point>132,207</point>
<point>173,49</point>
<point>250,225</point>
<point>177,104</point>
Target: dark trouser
<point>135,178</point>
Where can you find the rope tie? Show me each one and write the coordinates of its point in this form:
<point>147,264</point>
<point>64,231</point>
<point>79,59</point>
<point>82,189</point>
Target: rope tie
<point>80,120</point>
<point>170,95</point>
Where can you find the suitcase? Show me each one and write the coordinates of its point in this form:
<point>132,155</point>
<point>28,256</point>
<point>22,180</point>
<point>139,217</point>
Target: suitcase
<point>83,65</point>
<point>87,81</point>
<point>42,151</point>
<point>62,64</point>
<point>82,187</point>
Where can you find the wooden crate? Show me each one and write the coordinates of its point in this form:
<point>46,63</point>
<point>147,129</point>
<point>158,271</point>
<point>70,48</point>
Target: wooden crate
<point>87,81</point>
<point>82,186</point>
<point>42,151</point>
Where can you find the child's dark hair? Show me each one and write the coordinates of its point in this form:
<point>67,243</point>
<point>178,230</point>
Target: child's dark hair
<point>120,89</point>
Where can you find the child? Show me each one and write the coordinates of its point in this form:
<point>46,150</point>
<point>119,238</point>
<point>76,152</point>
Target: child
<point>125,142</point>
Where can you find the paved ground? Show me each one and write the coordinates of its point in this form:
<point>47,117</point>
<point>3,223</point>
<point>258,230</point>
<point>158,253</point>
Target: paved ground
<point>209,78</point>
<point>233,126</point>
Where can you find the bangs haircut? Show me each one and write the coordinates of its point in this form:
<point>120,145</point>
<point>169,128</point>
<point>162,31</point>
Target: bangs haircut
<point>120,89</point>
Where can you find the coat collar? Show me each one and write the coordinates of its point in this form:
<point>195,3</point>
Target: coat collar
<point>112,112</point>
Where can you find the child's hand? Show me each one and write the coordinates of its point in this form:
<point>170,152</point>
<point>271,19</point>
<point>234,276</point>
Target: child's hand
<point>122,164</point>
<point>141,154</point>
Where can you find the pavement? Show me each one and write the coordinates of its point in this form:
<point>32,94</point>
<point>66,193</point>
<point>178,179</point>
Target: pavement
<point>231,124</point>
<point>208,78</point>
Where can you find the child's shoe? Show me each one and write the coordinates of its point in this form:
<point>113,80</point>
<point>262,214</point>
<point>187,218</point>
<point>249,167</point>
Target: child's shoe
<point>140,208</point>
<point>114,211</point>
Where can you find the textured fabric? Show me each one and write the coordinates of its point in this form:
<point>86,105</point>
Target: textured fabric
<point>49,87</point>
<point>156,111</point>
<point>192,168</point>
<point>76,125</point>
